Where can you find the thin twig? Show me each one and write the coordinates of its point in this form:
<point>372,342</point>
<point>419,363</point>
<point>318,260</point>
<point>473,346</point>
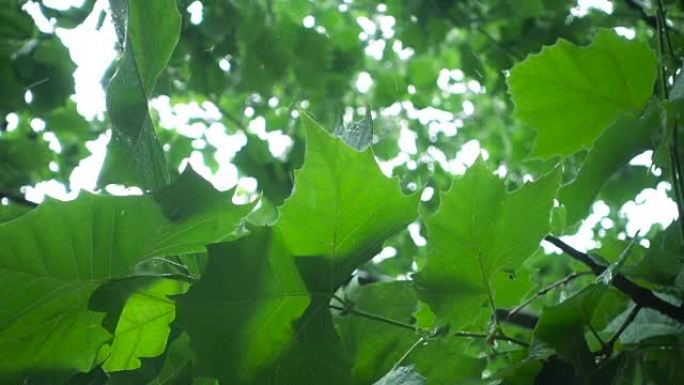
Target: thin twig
<point>547,289</point>
<point>408,352</point>
<point>374,317</point>
<point>640,295</point>
<point>407,326</point>
<point>493,337</point>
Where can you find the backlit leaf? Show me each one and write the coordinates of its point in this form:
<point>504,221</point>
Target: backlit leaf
<point>570,94</point>
<point>478,230</point>
<point>135,156</point>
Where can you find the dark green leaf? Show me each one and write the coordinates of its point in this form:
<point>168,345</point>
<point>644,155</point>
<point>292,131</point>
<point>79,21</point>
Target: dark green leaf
<point>239,315</point>
<point>48,276</point>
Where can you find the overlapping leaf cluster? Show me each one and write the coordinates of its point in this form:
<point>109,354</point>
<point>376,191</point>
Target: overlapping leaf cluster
<point>181,286</point>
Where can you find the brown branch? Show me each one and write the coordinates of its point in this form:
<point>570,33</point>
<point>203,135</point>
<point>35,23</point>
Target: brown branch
<point>640,295</point>
<point>522,319</point>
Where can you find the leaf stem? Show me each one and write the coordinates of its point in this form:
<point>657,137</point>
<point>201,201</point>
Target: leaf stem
<point>408,352</point>
<point>608,347</point>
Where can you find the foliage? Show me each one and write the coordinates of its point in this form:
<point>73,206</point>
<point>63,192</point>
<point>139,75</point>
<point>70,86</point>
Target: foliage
<point>377,248</point>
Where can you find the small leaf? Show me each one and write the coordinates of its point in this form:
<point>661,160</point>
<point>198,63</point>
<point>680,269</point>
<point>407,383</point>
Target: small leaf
<point>143,328</point>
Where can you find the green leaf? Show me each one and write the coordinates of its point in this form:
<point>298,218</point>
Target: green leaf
<point>143,327</point>
<point>56,255</point>
<point>239,315</point>
<point>478,231</point>
<point>661,263</point>
<point>341,211</point>
<point>45,67</point>
<point>522,373</point>
<point>570,94</point>
<point>135,156</point>
<point>373,346</point>
<point>316,354</point>
<point>562,328</point>
<point>11,211</point>
<point>617,145</point>
<point>376,347</point>
<point>342,207</point>
<point>25,159</point>
<point>174,368</point>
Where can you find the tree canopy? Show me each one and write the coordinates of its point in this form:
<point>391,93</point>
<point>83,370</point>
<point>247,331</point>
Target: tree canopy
<point>430,192</point>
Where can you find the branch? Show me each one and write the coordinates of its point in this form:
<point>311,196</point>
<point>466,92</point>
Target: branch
<point>18,199</point>
<point>524,320</point>
<point>640,295</point>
